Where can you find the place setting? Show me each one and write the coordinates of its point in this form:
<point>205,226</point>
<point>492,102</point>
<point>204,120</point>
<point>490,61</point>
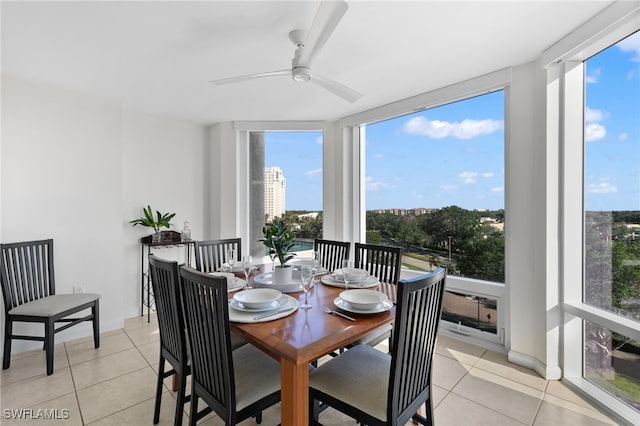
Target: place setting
<point>363,301</point>
<point>260,305</point>
<point>350,278</point>
<point>233,283</point>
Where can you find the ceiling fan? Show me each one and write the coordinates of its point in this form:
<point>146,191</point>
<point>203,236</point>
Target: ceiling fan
<point>325,22</point>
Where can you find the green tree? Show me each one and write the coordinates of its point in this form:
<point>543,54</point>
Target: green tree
<point>455,222</point>
<point>483,258</point>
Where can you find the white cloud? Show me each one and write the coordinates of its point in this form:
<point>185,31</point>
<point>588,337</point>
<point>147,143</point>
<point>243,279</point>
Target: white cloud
<point>594,131</point>
<point>631,44</point>
<point>497,189</point>
<point>593,115</point>
<point>378,156</point>
<point>594,77</point>
<point>376,185</point>
<point>437,129</point>
<point>313,172</point>
<point>487,174</point>
<point>447,187</point>
<point>319,140</point>
<point>623,136</point>
<point>417,195</point>
<point>601,188</point>
<point>468,177</point>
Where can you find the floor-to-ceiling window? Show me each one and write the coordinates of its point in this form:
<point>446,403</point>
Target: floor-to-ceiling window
<point>612,215</point>
<point>434,184</point>
<point>292,182</point>
<point>602,244</point>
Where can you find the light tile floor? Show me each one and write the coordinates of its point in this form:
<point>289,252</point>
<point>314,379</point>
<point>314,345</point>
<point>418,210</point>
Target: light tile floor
<point>115,385</point>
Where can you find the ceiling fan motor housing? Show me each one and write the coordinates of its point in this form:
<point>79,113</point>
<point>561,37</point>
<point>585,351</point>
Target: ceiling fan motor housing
<point>301,74</point>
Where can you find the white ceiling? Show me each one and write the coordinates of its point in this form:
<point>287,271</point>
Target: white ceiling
<point>157,57</point>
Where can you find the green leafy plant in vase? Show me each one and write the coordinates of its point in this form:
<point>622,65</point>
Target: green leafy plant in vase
<point>160,220</point>
<point>277,237</point>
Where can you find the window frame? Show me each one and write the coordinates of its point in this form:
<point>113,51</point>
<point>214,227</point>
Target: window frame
<point>615,24</point>
<point>356,125</point>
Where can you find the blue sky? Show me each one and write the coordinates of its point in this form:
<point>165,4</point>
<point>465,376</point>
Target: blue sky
<point>454,154</point>
<point>612,130</point>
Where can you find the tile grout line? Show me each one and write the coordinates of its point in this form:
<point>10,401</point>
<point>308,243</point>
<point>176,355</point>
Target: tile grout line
<point>73,382</point>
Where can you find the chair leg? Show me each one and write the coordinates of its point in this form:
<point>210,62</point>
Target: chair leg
<point>180,400</point>
<point>95,310</point>
<point>49,344</point>
<point>8,327</point>
<point>259,417</point>
<point>156,409</point>
<point>193,412</point>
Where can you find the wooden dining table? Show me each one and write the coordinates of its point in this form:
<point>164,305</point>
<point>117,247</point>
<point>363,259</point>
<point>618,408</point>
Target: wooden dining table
<point>305,336</point>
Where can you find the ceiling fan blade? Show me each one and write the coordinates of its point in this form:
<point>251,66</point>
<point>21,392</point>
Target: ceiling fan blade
<point>336,88</point>
<point>325,22</point>
<point>251,77</point>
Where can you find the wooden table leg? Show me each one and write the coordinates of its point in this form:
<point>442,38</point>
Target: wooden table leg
<point>174,382</point>
<point>294,393</point>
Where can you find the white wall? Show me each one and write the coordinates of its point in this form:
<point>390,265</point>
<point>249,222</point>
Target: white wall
<point>163,165</point>
<point>526,220</point>
<point>77,168</point>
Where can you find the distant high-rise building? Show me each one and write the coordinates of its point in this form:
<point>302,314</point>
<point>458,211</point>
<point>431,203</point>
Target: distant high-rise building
<point>275,186</point>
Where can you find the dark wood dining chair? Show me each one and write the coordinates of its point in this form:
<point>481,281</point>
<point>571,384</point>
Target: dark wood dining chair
<point>332,253</point>
<point>29,292</point>
<point>212,254</point>
<point>173,346</point>
<point>376,388</point>
<point>383,262</point>
<point>235,384</point>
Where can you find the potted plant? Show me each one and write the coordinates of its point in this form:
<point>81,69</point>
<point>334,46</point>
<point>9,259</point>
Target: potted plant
<point>159,221</point>
<point>276,237</point>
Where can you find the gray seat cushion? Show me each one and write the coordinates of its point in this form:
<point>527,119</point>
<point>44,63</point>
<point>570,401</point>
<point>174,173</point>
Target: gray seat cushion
<point>378,335</point>
<point>257,375</point>
<point>359,377</point>
<point>53,305</point>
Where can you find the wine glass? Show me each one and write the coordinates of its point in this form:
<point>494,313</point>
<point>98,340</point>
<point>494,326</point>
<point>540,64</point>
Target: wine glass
<point>316,262</point>
<point>231,258</point>
<point>306,278</point>
<point>346,267</point>
<point>273,255</point>
<point>247,265</point>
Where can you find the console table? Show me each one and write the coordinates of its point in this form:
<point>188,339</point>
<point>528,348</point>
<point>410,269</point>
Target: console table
<point>167,239</point>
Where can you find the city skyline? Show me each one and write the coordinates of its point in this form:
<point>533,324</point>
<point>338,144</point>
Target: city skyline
<point>454,154</point>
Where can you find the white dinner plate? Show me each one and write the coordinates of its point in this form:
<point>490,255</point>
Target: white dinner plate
<point>274,305</point>
<point>238,284</point>
<point>330,280</point>
<point>289,307</point>
<point>344,305</point>
<point>357,275</point>
<point>233,283</point>
<point>266,281</point>
<point>296,263</point>
<point>237,269</point>
<point>363,299</point>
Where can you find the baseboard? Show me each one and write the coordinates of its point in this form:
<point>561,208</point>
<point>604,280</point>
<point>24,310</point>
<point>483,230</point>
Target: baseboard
<point>536,365</point>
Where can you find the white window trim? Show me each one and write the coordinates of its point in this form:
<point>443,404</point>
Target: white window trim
<point>498,80</point>
<point>565,60</point>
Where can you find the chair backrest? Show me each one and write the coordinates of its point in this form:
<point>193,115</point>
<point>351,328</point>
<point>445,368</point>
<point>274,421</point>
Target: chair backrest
<point>418,309</point>
<point>165,281</point>
<point>212,254</point>
<point>26,272</point>
<point>332,253</point>
<point>383,262</point>
<point>206,309</point>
